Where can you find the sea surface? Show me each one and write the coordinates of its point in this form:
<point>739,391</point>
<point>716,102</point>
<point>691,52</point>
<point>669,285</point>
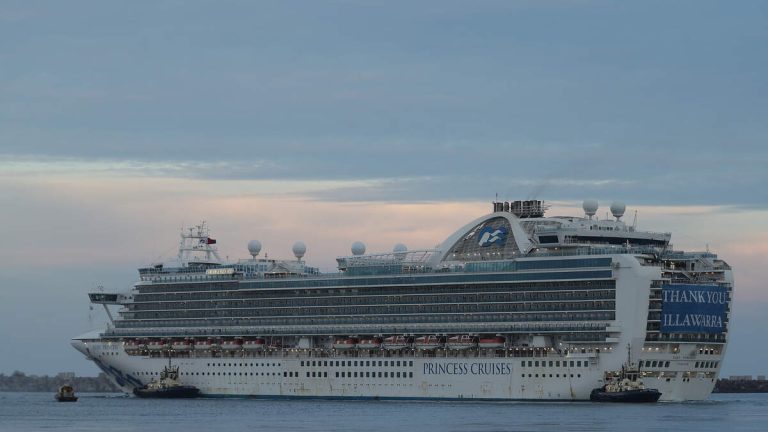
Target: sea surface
<point>110,412</point>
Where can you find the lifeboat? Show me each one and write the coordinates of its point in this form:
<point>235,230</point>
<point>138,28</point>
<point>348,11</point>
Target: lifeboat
<point>396,342</point>
<point>275,344</point>
<point>205,344</point>
<point>157,345</point>
<point>373,343</point>
<point>428,342</point>
<point>181,345</point>
<point>492,342</point>
<point>344,344</point>
<point>254,344</point>
<point>461,342</point>
<point>232,344</point>
<point>132,345</point>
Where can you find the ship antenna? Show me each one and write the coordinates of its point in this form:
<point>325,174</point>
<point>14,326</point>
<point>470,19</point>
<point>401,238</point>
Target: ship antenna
<point>634,223</point>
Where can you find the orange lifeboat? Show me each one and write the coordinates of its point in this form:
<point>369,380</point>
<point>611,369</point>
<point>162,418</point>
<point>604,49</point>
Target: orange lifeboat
<point>344,344</point>
<point>492,342</point>
<point>232,344</point>
<point>428,342</point>
<point>461,342</point>
<point>157,345</point>
<point>205,344</point>
<point>396,342</point>
<point>254,344</point>
<point>132,345</point>
<point>181,345</point>
<point>372,343</point>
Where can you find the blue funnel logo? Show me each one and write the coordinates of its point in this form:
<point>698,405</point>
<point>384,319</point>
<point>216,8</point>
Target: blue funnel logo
<point>492,236</point>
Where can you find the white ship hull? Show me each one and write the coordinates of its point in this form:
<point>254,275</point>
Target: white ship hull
<point>407,377</point>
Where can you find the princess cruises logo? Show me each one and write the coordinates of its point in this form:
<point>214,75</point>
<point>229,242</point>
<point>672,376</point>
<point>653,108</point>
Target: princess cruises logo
<point>491,236</point>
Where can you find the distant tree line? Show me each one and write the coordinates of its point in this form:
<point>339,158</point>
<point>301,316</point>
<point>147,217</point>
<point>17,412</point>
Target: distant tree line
<point>741,386</point>
<point>20,382</point>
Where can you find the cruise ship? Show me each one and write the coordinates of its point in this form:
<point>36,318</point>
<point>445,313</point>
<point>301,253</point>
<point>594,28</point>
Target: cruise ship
<point>515,305</point>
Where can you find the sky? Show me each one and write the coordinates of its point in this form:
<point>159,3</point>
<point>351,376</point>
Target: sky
<point>380,121</point>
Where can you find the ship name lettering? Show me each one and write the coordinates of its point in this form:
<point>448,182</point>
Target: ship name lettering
<point>466,368</point>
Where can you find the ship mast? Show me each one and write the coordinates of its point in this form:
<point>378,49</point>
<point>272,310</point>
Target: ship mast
<point>195,241</point>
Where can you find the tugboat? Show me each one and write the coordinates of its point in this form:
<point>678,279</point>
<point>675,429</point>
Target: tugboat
<point>168,387</point>
<point>66,394</point>
<point>624,386</point>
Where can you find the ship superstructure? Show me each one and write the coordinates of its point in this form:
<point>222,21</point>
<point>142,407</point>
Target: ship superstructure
<point>514,305</point>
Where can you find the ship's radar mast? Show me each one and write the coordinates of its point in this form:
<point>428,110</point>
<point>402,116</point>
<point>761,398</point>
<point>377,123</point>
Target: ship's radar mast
<point>196,246</point>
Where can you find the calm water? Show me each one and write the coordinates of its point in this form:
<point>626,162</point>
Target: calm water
<point>93,412</point>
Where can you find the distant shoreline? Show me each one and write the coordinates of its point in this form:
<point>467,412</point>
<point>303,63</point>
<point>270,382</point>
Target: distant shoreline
<point>20,382</point>
<point>741,386</point>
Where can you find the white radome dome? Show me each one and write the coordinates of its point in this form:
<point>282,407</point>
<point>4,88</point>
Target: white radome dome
<point>299,249</point>
<point>254,247</point>
<point>590,207</point>
<point>618,209</point>
<point>400,248</point>
<point>358,248</point>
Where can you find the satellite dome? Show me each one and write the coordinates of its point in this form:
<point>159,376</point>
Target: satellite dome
<point>617,209</point>
<point>254,247</point>
<point>299,249</point>
<point>358,248</point>
<point>400,248</point>
<point>590,207</point>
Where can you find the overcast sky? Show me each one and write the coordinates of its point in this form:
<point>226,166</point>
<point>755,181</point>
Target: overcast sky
<point>380,121</point>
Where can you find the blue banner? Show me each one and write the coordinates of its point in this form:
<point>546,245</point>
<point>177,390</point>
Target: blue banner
<point>693,308</point>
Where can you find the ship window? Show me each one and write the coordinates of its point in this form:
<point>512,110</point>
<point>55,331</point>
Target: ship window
<point>411,363</point>
<point>368,363</point>
<point>307,374</point>
<point>285,374</point>
<point>325,363</point>
<point>302,362</point>
<point>640,364</point>
<point>666,364</point>
<point>367,374</point>
<point>325,374</point>
<point>379,374</point>
<point>410,374</point>
<point>355,362</point>
<point>578,364</point>
<point>386,374</point>
<point>522,363</point>
<point>398,374</point>
<point>379,362</point>
<point>355,374</point>
<point>557,363</point>
<point>572,364</point>
<point>337,374</point>
<point>536,363</point>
